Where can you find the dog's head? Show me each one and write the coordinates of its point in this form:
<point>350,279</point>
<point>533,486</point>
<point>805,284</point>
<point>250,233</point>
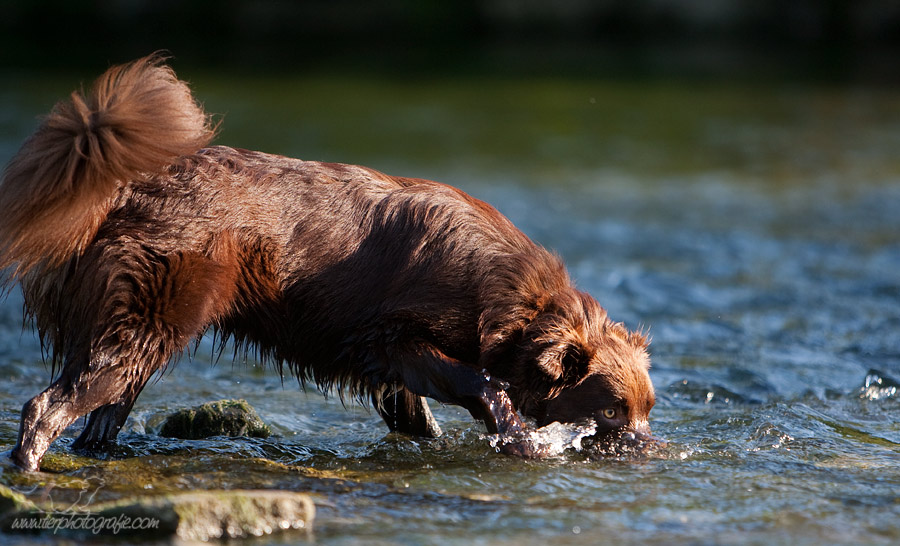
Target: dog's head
<point>574,364</point>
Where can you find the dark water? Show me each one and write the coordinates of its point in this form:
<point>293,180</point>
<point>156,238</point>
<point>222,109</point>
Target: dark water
<point>753,231</point>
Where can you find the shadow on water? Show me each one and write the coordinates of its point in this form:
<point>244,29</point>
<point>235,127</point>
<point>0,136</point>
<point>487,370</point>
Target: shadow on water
<point>753,231</point>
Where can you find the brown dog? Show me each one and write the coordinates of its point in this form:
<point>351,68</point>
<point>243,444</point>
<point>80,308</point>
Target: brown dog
<point>130,238</point>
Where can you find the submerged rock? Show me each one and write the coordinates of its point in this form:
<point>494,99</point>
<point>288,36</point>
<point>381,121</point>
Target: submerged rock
<point>62,462</point>
<point>12,504</point>
<point>222,418</point>
<point>12,501</point>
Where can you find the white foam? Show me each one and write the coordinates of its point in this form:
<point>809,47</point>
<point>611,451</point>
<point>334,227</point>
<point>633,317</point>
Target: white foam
<point>553,439</point>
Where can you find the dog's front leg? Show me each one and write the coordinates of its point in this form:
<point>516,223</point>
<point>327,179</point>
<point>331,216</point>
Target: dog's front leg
<point>426,371</point>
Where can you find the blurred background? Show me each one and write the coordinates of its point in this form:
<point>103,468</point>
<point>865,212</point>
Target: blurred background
<point>724,174</point>
<point>833,39</point>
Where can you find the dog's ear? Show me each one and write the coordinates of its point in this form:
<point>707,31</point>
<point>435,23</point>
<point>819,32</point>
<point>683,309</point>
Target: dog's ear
<point>565,364</point>
<point>558,348</point>
<point>575,363</point>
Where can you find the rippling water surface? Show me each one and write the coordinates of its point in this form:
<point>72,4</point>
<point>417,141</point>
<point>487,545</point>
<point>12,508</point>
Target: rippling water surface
<point>752,230</point>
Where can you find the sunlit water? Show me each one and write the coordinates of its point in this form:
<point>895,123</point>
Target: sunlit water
<point>753,232</point>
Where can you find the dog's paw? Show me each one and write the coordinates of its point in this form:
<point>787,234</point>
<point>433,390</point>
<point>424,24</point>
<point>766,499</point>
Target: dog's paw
<point>523,449</point>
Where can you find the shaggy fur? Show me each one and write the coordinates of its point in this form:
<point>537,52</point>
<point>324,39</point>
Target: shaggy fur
<point>130,238</point>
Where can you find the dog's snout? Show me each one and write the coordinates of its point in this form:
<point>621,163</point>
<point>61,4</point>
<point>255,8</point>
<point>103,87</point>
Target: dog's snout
<point>641,439</point>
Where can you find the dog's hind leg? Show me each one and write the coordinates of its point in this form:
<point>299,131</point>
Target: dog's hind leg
<point>406,412</point>
<point>151,307</point>
<point>47,415</point>
<point>105,422</point>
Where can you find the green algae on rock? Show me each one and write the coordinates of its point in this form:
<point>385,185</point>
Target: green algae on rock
<point>62,462</point>
<point>221,418</point>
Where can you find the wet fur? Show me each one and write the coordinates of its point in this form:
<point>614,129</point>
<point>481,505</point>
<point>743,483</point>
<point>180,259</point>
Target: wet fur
<point>131,237</point>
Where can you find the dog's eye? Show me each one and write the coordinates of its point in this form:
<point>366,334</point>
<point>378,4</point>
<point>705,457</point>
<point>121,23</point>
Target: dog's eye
<point>609,413</point>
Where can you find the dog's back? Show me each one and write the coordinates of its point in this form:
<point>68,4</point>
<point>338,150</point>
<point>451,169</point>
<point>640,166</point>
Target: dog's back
<point>310,258</point>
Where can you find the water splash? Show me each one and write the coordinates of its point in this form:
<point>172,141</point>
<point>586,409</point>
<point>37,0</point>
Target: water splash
<point>552,440</point>
<point>556,439</point>
<point>877,386</point>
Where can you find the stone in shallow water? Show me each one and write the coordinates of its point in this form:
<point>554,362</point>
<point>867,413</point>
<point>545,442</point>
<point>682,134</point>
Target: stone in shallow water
<point>222,418</point>
<point>199,516</point>
<point>220,514</point>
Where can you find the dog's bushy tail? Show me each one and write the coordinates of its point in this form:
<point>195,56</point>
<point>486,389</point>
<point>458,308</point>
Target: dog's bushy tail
<point>56,192</point>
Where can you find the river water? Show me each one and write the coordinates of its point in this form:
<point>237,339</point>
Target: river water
<point>753,230</point>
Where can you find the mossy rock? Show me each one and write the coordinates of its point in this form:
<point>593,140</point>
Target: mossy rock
<point>200,516</point>
<point>222,418</point>
<point>207,515</point>
<point>60,462</point>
